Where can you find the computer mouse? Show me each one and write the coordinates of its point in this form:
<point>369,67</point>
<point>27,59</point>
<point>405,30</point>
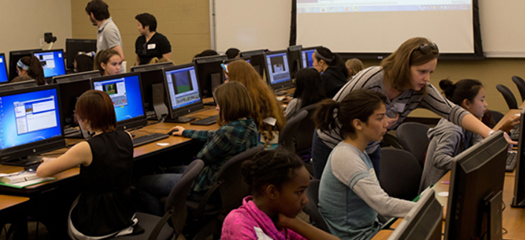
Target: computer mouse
<point>172,131</point>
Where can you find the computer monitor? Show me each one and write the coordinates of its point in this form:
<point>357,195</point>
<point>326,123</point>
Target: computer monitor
<point>71,86</point>
<point>3,69</point>
<point>52,62</point>
<point>182,89</point>
<point>17,85</point>
<point>423,222</point>
<point>209,73</point>
<point>294,59</point>
<point>150,74</point>
<point>75,47</point>
<point>256,60</point>
<point>519,186</point>
<point>30,122</point>
<point>476,186</point>
<point>278,70</point>
<point>126,94</point>
<point>306,56</point>
<point>14,56</point>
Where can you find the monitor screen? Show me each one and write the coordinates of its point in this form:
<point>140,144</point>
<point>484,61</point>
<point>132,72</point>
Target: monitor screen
<point>75,47</point>
<point>29,116</point>
<point>126,94</point>
<point>209,73</point>
<point>306,56</point>
<point>3,69</point>
<point>476,186</point>
<point>423,222</point>
<point>182,90</point>
<point>14,56</point>
<point>519,185</point>
<point>52,62</point>
<point>277,67</point>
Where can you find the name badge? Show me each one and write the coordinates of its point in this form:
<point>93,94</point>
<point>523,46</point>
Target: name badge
<point>399,107</point>
<point>151,46</point>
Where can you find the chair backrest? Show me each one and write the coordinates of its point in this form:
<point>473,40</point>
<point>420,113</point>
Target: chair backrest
<point>176,202</point>
<point>286,139</point>
<point>520,83</point>
<point>232,188</point>
<point>413,137</point>
<point>497,116</point>
<point>305,133</point>
<point>312,192</point>
<point>400,173</point>
<point>508,95</point>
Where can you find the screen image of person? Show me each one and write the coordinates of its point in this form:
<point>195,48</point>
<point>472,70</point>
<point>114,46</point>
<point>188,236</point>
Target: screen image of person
<point>29,117</point>
<point>183,87</point>
<point>125,94</point>
<point>52,63</point>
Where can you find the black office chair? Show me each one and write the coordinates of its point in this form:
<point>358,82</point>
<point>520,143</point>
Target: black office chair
<point>232,190</point>
<point>400,173</point>
<point>312,192</point>
<point>286,139</point>
<point>496,116</point>
<point>508,95</point>
<point>413,137</point>
<point>175,210</point>
<point>520,83</point>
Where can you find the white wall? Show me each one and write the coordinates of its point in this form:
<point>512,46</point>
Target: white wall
<point>24,22</point>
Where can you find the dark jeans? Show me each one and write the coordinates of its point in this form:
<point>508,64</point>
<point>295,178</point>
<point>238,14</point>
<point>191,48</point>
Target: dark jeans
<point>321,152</point>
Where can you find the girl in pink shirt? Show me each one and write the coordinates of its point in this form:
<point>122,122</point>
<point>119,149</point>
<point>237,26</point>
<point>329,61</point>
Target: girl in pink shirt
<point>278,180</point>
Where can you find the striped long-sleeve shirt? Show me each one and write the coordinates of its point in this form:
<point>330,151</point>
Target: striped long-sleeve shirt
<point>372,79</point>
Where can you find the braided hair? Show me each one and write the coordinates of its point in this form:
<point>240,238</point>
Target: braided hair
<point>274,167</point>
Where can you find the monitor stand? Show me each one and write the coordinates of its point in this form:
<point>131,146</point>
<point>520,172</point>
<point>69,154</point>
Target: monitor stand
<point>179,120</point>
<point>159,106</point>
<point>494,217</point>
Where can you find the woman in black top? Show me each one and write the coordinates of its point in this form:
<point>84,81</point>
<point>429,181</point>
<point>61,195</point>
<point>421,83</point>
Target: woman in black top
<point>105,207</point>
<point>333,70</point>
<point>151,43</point>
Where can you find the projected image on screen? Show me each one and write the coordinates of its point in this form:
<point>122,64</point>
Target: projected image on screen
<point>183,82</point>
<point>314,6</point>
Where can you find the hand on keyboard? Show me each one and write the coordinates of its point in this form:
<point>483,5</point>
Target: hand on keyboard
<point>176,131</point>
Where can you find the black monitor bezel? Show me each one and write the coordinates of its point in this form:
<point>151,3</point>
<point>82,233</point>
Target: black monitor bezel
<point>257,59</point>
<point>461,188</point>
<point>281,85</point>
<point>14,56</point>
<point>70,55</point>
<point>179,112</point>
<point>139,121</point>
<point>41,146</point>
<point>18,85</point>
<point>291,50</point>
<point>307,49</point>
<point>207,64</point>
<point>151,67</point>
<point>518,199</point>
<point>73,77</point>
<point>6,70</point>
<point>48,79</point>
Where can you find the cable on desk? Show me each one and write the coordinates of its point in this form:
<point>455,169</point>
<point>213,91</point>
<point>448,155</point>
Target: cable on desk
<point>504,206</point>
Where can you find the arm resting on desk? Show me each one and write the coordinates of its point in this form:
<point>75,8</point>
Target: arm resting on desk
<point>78,154</point>
<point>304,229</point>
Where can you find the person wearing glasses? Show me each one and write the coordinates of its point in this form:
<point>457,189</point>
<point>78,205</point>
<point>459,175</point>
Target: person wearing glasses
<point>404,78</point>
<point>150,43</point>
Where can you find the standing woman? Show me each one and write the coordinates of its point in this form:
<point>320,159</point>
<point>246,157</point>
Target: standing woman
<point>404,78</point>
<point>30,67</point>
<point>332,68</point>
<point>151,43</point>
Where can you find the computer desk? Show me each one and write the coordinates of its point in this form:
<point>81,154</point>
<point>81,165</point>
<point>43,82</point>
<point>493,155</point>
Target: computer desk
<point>522,105</point>
<point>513,218</point>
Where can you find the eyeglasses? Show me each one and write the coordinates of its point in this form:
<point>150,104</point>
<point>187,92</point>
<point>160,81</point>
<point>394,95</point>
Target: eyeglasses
<point>426,48</point>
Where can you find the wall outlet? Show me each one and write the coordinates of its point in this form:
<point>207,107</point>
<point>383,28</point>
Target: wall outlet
<point>42,42</point>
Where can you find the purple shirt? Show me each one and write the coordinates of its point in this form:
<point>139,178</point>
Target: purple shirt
<point>248,222</point>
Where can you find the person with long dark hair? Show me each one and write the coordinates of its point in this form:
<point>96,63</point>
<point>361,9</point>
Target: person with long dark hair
<point>29,67</point>
<point>332,68</point>
<point>307,91</point>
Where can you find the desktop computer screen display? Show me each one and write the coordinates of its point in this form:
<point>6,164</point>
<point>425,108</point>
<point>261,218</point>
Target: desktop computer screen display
<point>519,186</point>
<point>52,62</point>
<point>126,94</point>
<point>75,47</point>
<point>30,119</point>
<point>182,89</point>
<point>423,222</point>
<point>278,71</point>
<point>209,73</point>
<point>306,57</point>
<point>3,69</point>
<point>14,56</point>
<point>476,187</point>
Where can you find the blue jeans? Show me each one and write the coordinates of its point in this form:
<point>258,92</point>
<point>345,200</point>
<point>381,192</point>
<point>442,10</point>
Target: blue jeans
<point>153,188</point>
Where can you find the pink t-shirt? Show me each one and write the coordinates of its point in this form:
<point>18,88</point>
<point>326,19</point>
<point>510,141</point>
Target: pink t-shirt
<point>248,222</point>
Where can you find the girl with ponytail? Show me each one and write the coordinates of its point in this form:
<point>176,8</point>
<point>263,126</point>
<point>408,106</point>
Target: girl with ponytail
<point>278,180</point>
<point>447,139</point>
<point>350,197</point>
<point>30,66</point>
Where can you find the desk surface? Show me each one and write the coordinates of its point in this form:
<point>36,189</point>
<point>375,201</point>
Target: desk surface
<point>7,201</point>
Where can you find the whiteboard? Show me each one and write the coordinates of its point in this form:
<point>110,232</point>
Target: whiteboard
<point>251,24</point>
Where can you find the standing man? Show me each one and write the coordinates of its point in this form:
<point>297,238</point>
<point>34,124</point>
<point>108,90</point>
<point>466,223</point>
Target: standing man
<point>108,35</point>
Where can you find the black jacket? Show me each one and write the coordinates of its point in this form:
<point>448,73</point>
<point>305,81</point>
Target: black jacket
<point>333,79</point>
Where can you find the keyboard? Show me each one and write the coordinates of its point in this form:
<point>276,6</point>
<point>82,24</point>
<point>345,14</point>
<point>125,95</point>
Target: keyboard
<point>280,93</point>
<point>515,134</point>
<point>206,121</point>
<point>511,161</point>
<point>148,138</point>
<point>23,162</point>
